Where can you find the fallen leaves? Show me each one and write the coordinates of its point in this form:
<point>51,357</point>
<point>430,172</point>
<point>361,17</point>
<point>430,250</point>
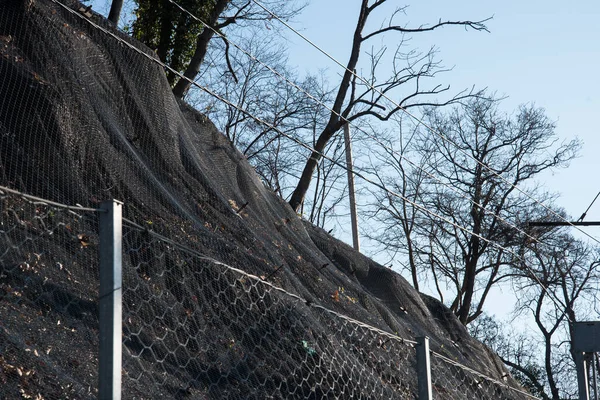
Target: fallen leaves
<point>341,293</point>
<point>84,239</point>
<point>336,296</point>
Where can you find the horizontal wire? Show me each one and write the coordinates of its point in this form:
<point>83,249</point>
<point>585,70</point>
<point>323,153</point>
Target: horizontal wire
<point>49,202</point>
<point>308,303</point>
<point>429,174</point>
<point>419,121</point>
<point>358,174</point>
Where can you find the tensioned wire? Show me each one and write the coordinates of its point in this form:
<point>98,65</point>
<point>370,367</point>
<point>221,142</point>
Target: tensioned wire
<point>474,372</point>
<point>258,120</point>
<point>379,142</point>
<point>356,173</point>
<point>429,174</point>
<point>214,261</point>
<point>419,121</point>
<point>588,209</point>
<point>39,200</point>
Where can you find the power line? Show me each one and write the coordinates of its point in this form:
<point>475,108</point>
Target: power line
<point>356,173</point>
<point>419,121</point>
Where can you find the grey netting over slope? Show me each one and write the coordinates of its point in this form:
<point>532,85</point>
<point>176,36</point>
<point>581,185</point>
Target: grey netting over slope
<point>48,300</point>
<point>84,118</point>
<point>202,328</point>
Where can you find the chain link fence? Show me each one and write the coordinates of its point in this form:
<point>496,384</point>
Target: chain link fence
<point>192,327</point>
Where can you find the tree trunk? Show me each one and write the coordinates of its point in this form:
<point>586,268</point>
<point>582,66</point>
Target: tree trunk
<point>115,11</point>
<point>183,85</point>
<point>468,286</point>
<point>334,123</point>
<point>309,168</point>
<point>468,289</point>
<point>166,32</point>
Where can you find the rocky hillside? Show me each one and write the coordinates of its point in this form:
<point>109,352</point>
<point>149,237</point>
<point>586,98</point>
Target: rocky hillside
<point>85,116</point>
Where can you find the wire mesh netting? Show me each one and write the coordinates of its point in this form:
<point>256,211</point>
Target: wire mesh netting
<point>192,326</point>
<point>48,300</point>
<point>197,327</point>
<point>91,117</point>
<point>452,381</point>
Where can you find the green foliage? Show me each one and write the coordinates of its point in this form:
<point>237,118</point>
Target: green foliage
<point>170,32</point>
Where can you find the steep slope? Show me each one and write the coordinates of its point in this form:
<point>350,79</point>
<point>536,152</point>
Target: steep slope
<point>85,117</point>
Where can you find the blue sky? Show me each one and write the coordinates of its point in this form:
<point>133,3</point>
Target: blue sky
<point>545,52</point>
<point>542,52</point>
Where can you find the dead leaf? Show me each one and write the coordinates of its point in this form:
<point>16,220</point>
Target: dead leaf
<point>336,296</point>
<point>83,239</point>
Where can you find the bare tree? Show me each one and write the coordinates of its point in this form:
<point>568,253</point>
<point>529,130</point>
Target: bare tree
<point>223,14</point>
<point>567,274</point>
<point>356,98</point>
<point>473,169</point>
<point>258,92</point>
<point>397,218</point>
<point>115,11</point>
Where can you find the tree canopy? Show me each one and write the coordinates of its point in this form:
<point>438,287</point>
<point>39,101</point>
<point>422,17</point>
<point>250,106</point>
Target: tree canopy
<point>468,178</point>
<point>163,27</point>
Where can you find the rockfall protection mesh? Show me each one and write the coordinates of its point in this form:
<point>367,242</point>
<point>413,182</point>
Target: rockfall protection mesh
<point>48,300</point>
<point>233,335</point>
<point>84,118</point>
<point>451,380</point>
<point>192,326</point>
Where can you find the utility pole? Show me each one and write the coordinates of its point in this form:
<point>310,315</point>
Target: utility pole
<point>353,219</point>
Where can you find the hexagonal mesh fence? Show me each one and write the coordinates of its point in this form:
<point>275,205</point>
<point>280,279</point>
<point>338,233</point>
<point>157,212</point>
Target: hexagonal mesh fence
<point>229,334</point>
<point>48,300</point>
<point>454,381</point>
<point>193,327</point>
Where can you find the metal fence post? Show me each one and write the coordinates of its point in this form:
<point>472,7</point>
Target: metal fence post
<point>581,366</point>
<point>424,368</point>
<point>110,232</point>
